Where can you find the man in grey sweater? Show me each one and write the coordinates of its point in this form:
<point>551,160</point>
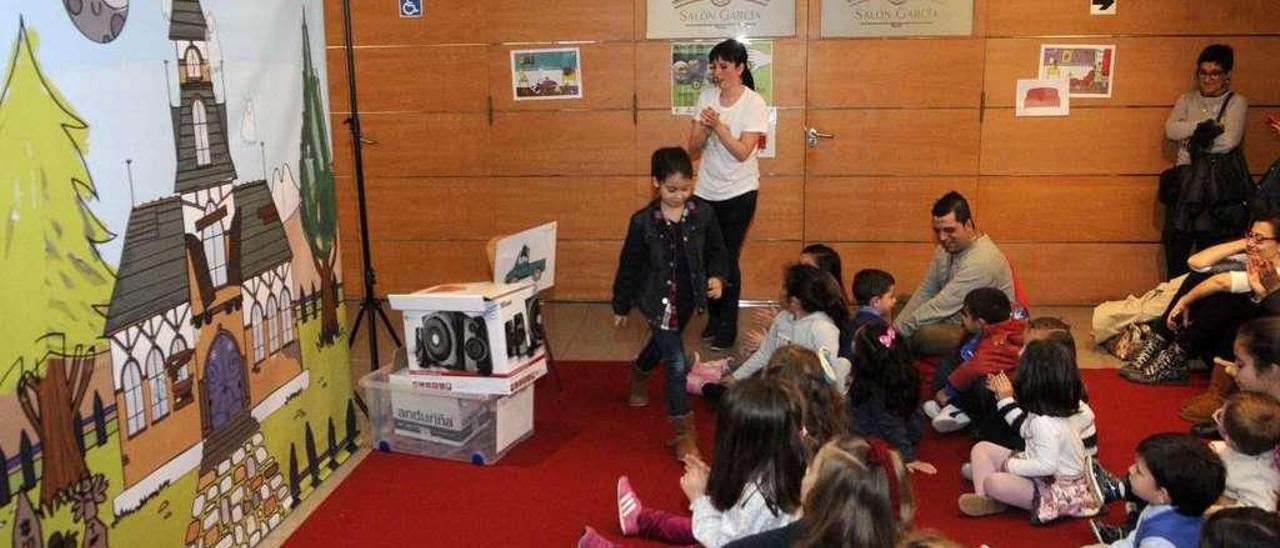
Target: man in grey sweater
<point>965,259</point>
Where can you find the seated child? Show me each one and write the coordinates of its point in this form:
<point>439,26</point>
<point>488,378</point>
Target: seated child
<point>873,293</point>
<point>1051,478</point>
<point>1003,427</point>
<point>1249,423</point>
<point>856,493</point>
<point>1178,478</point>
<point>813,310</point>
<point>819,255</point>
<point>826,412</point>
<point>753,484</point>
<point>994,347</point>
<point>1241,527</point>
<point>885,393</point>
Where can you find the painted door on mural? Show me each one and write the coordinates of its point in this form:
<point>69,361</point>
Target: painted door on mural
<point>224,381</point>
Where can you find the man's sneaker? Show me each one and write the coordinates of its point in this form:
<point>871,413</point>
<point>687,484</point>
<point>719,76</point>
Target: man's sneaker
<point>593,539</point>
<point>628,508</point>
<point>950,419</point>
<point>1109,487</point>
<point>1146,354</point>
<point>931,409</point>
<point>966,471</point>
<point>1106,534</point>
<point>1170,367</point>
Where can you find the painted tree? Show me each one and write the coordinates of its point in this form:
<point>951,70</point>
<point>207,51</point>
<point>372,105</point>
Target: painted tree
<point>53,275</point>
<point>319,208</point>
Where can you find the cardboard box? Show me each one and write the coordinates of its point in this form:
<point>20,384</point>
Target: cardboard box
<point>477,329</point>
<point>477,428</point>
<point>451,381</point>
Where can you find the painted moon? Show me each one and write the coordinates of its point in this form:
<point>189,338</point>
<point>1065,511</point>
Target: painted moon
<point>98,20</point>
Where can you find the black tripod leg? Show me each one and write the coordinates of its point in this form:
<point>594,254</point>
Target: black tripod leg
<point>387,322</point>
<point>551,363</point>
<point>355,327</point>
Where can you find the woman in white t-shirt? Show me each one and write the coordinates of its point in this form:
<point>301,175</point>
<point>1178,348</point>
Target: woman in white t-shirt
<point>728,127</point>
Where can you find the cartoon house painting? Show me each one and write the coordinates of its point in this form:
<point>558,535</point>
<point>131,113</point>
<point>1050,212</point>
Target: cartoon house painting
<point>201,323</point>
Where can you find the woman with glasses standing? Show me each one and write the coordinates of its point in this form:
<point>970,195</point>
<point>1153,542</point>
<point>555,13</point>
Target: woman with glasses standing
<point>728,129</point>
<point>1207,122</point>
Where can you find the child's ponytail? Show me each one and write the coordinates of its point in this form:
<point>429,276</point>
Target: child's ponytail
<point>883,370</point>
<point>817,291</point>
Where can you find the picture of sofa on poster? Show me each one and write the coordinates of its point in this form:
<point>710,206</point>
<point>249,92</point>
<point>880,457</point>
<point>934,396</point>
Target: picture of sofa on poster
<point>193,386</point>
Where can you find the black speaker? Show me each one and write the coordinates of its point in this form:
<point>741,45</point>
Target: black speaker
<point>476,347</point>
<point>517,336</point>
<point>439,340</point>
<point>537,334</point>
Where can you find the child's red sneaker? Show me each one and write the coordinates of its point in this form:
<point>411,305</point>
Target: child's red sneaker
<point>628,508</point>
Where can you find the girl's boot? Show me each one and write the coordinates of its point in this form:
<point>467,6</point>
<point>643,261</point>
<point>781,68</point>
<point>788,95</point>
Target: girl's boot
<point>639,392</point>
<point>1200,408</point>
<point>686,435</point>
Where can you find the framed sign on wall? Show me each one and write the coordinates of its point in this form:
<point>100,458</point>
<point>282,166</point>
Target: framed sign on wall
<point>720,18</point>
<point>859,18</point>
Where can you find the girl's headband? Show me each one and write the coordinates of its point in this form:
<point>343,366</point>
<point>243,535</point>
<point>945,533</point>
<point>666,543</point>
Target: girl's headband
<point>880,455</point>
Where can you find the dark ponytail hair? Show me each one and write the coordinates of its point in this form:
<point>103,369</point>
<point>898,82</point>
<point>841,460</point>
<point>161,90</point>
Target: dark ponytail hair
<point>817,291</point>
<point>883,370</point>
<point>734,52</point>
<point>1261,340</point>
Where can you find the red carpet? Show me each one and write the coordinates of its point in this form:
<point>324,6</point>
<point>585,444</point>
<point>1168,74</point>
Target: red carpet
<point>546,489</point>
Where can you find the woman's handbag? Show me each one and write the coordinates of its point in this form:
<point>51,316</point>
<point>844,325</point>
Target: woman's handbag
<point>1213,192</point>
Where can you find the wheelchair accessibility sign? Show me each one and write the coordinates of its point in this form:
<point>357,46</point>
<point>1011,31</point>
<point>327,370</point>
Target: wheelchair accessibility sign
<point>410,8</point>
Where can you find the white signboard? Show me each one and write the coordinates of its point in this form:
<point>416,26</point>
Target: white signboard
<point>527,256</point>
<point>720,18</point>
<point>897,17</point>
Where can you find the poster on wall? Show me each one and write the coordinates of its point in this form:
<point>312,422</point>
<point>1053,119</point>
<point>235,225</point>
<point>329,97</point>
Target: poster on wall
<point>527,256</point>
<point>1042,98</point>
<point>538,74</point>
<point>690,77</point>
<point>173,367</point>
<point>720,18</point>
<point>861,18</point>
<point>1089,69</point>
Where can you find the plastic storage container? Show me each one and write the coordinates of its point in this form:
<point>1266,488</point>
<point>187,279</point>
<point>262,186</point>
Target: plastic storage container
<point>475,428</point>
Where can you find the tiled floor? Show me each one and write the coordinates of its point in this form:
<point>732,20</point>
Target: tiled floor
<point>585,332</point>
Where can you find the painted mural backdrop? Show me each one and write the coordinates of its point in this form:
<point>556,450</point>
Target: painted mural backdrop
<point>172,362</point>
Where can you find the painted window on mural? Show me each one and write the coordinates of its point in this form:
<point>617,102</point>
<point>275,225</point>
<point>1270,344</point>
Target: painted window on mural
<point>273,324</point>
<point>200,127</point>
<point>286,316</point>
<point>131,383</point>
<point>259,352</point>
<point>215,249</point>
<point>193,63</point>
<point>184,371</point>
<point>159,385</point>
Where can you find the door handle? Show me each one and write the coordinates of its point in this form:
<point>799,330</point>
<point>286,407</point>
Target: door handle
<point>812,135</point>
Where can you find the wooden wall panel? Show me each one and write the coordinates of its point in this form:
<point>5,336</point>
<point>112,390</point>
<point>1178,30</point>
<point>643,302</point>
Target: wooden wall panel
<point>779,209</point>
<point>415,144</point>
<point>1070,200</point>
<point>419,208</point>
<point>441,78</point>
<point>895,73</point>
<point>1090,141</point>
<point>762,266</point>
<point>907,262</point>
<point>876,209</point>
<point>380,24</point>
<point>1163,17</point>
<point>1098,141</point>
<point>585,207</point>
<point>1150,71</point>
<point>1069,209</point>
<point>557,20</point>
<point>404,266</point>
<point>608,79</point>
<point>1084,274</point>
<point>895,142</point>
<point>591,142</point>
